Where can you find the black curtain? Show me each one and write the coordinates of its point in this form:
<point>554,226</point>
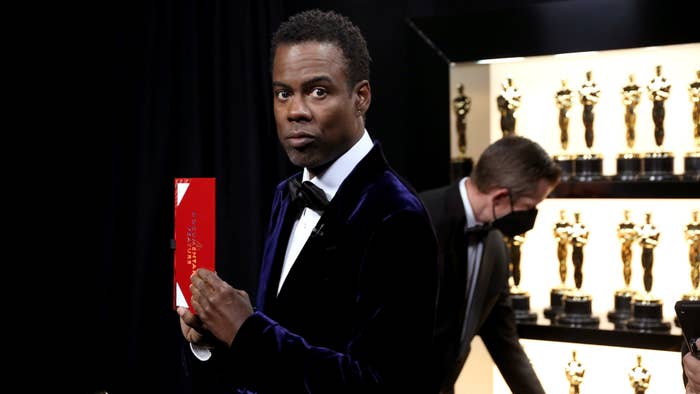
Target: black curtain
<point>180,89</point>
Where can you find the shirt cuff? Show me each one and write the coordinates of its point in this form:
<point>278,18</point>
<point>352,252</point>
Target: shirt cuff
<point>202,353</point>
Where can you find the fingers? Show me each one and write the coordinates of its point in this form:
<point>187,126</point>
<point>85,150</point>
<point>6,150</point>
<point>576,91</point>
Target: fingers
<point>189,318</point>
<point>692,371</point>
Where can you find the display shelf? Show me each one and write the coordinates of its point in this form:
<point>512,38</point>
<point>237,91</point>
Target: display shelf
<point>605,334</point>
<point>610,188</point>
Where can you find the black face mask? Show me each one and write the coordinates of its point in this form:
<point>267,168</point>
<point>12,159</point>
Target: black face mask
<point>516,222</point>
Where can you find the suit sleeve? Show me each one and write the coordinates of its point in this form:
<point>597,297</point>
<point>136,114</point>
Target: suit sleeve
<point>500,336</point>
<point>392,338</point>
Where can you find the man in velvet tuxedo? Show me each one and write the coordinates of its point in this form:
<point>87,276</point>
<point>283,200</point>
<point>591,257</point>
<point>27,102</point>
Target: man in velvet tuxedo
<point>348,283</point>
<point>470,217</point>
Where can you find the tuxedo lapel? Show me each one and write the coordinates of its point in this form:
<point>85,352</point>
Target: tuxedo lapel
<point>275,249</point>
<point>482,284</point>
<point>458,245</point>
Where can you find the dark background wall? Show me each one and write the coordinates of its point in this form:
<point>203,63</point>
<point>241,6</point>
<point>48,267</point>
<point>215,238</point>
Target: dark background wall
<point>178,89</point>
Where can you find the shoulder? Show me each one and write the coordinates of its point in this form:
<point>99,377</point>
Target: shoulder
<point>395,194</point>
<point>434,195</point>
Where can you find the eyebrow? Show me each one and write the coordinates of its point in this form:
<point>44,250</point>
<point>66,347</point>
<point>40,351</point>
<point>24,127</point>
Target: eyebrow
<point>306,84</point>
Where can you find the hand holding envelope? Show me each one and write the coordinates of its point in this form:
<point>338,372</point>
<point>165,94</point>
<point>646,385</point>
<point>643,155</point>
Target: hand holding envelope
<point>221,309</point>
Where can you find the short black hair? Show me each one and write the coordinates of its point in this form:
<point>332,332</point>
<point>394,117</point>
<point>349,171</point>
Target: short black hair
<point>515,163</point>
<point>327,26</point>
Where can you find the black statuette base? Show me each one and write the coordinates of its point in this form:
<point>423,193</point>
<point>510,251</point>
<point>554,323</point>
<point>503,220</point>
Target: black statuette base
<point>521,307</point>
<point>691,163</point>
<point>658,166</point>
<point>623,309</point>
<point>556,305</point>
<point>648,317</point>
<point>567,165</point>
<point>577,313</point>
<point>629,167</point>
<point>589,168</point>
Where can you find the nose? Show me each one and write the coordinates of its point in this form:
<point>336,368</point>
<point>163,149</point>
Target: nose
<point>298,109</point>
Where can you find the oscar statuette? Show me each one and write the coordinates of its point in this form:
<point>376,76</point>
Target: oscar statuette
<point>639,377</point>
<point>692,236</point>
<point>577,304</point>
<point>647,310</point>
<point>461,165</point>
<point>519,297</point>
<point>589,166</point>
<point>629,164</point>
<point>563,102</point>
<point>508,103</point>
<point>627,233</point>
<point>692,159</point>
<point>658,165</point>
<point>574,374</point>
<point>562,234</point>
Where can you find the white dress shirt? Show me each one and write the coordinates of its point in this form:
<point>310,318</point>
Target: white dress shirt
<point>329,181</point>
<point>474,251</point>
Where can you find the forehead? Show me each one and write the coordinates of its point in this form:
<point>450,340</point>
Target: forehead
<point>307,60</point>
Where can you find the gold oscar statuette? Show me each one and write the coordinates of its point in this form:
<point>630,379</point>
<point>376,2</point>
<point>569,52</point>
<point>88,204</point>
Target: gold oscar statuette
<point>631,95</point>
<point>513,244</point>
<point>694,94</point>
<point>627,234</point>
<point>577,304</point>
<point>647,310</point>
<point>658,165</point>
<point>639,377</point>
<point>579,239</point>
<point>589,166</point>
<point>692,158</point>
<point>648,239</point>
<point>508,103</point>
<point>574,374</point>
<point>629,164</point>
<point>562,236</point>
<point>520,298</point>
<point>692,236</point>
<point>659,90</point>
<point>461,106</point>
<point>563,101</point>
<point>589,94</point>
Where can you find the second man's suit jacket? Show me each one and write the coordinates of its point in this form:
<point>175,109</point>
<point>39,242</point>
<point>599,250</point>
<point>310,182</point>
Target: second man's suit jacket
<point>491,314</point>
<point>356,311</point>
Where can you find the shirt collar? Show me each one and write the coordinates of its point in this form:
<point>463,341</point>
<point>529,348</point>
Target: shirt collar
<point>330,180</point>
<point>468,211</point>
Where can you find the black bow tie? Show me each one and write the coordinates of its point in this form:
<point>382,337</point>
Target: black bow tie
<point>477,232</point>
<point>307,195</point>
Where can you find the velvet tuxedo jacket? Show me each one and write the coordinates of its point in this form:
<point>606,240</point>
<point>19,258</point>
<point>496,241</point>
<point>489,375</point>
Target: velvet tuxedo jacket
<point>491,314</point>
<point>356,311</point>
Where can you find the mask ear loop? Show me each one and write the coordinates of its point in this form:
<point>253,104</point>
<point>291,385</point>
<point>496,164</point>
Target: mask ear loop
<point>510,197</point>
<point>493,206</point>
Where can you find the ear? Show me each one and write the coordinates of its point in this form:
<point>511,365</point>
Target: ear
<point>363,97</point>
<point>499,193</point>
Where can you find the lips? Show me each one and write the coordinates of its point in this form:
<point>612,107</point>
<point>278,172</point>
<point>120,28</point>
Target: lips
<point>299,139</point>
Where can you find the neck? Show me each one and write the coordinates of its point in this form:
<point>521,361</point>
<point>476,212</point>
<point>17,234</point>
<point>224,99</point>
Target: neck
<point>479,202</point>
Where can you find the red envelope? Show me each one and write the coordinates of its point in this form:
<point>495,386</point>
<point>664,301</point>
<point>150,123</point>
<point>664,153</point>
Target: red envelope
<point>195,233</point>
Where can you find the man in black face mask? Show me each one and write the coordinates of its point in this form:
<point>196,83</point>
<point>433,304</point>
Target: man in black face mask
<point>470,217</point>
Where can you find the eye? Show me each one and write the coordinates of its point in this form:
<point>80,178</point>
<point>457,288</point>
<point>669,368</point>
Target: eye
<point>318,92</point>
<point>282,94</point>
